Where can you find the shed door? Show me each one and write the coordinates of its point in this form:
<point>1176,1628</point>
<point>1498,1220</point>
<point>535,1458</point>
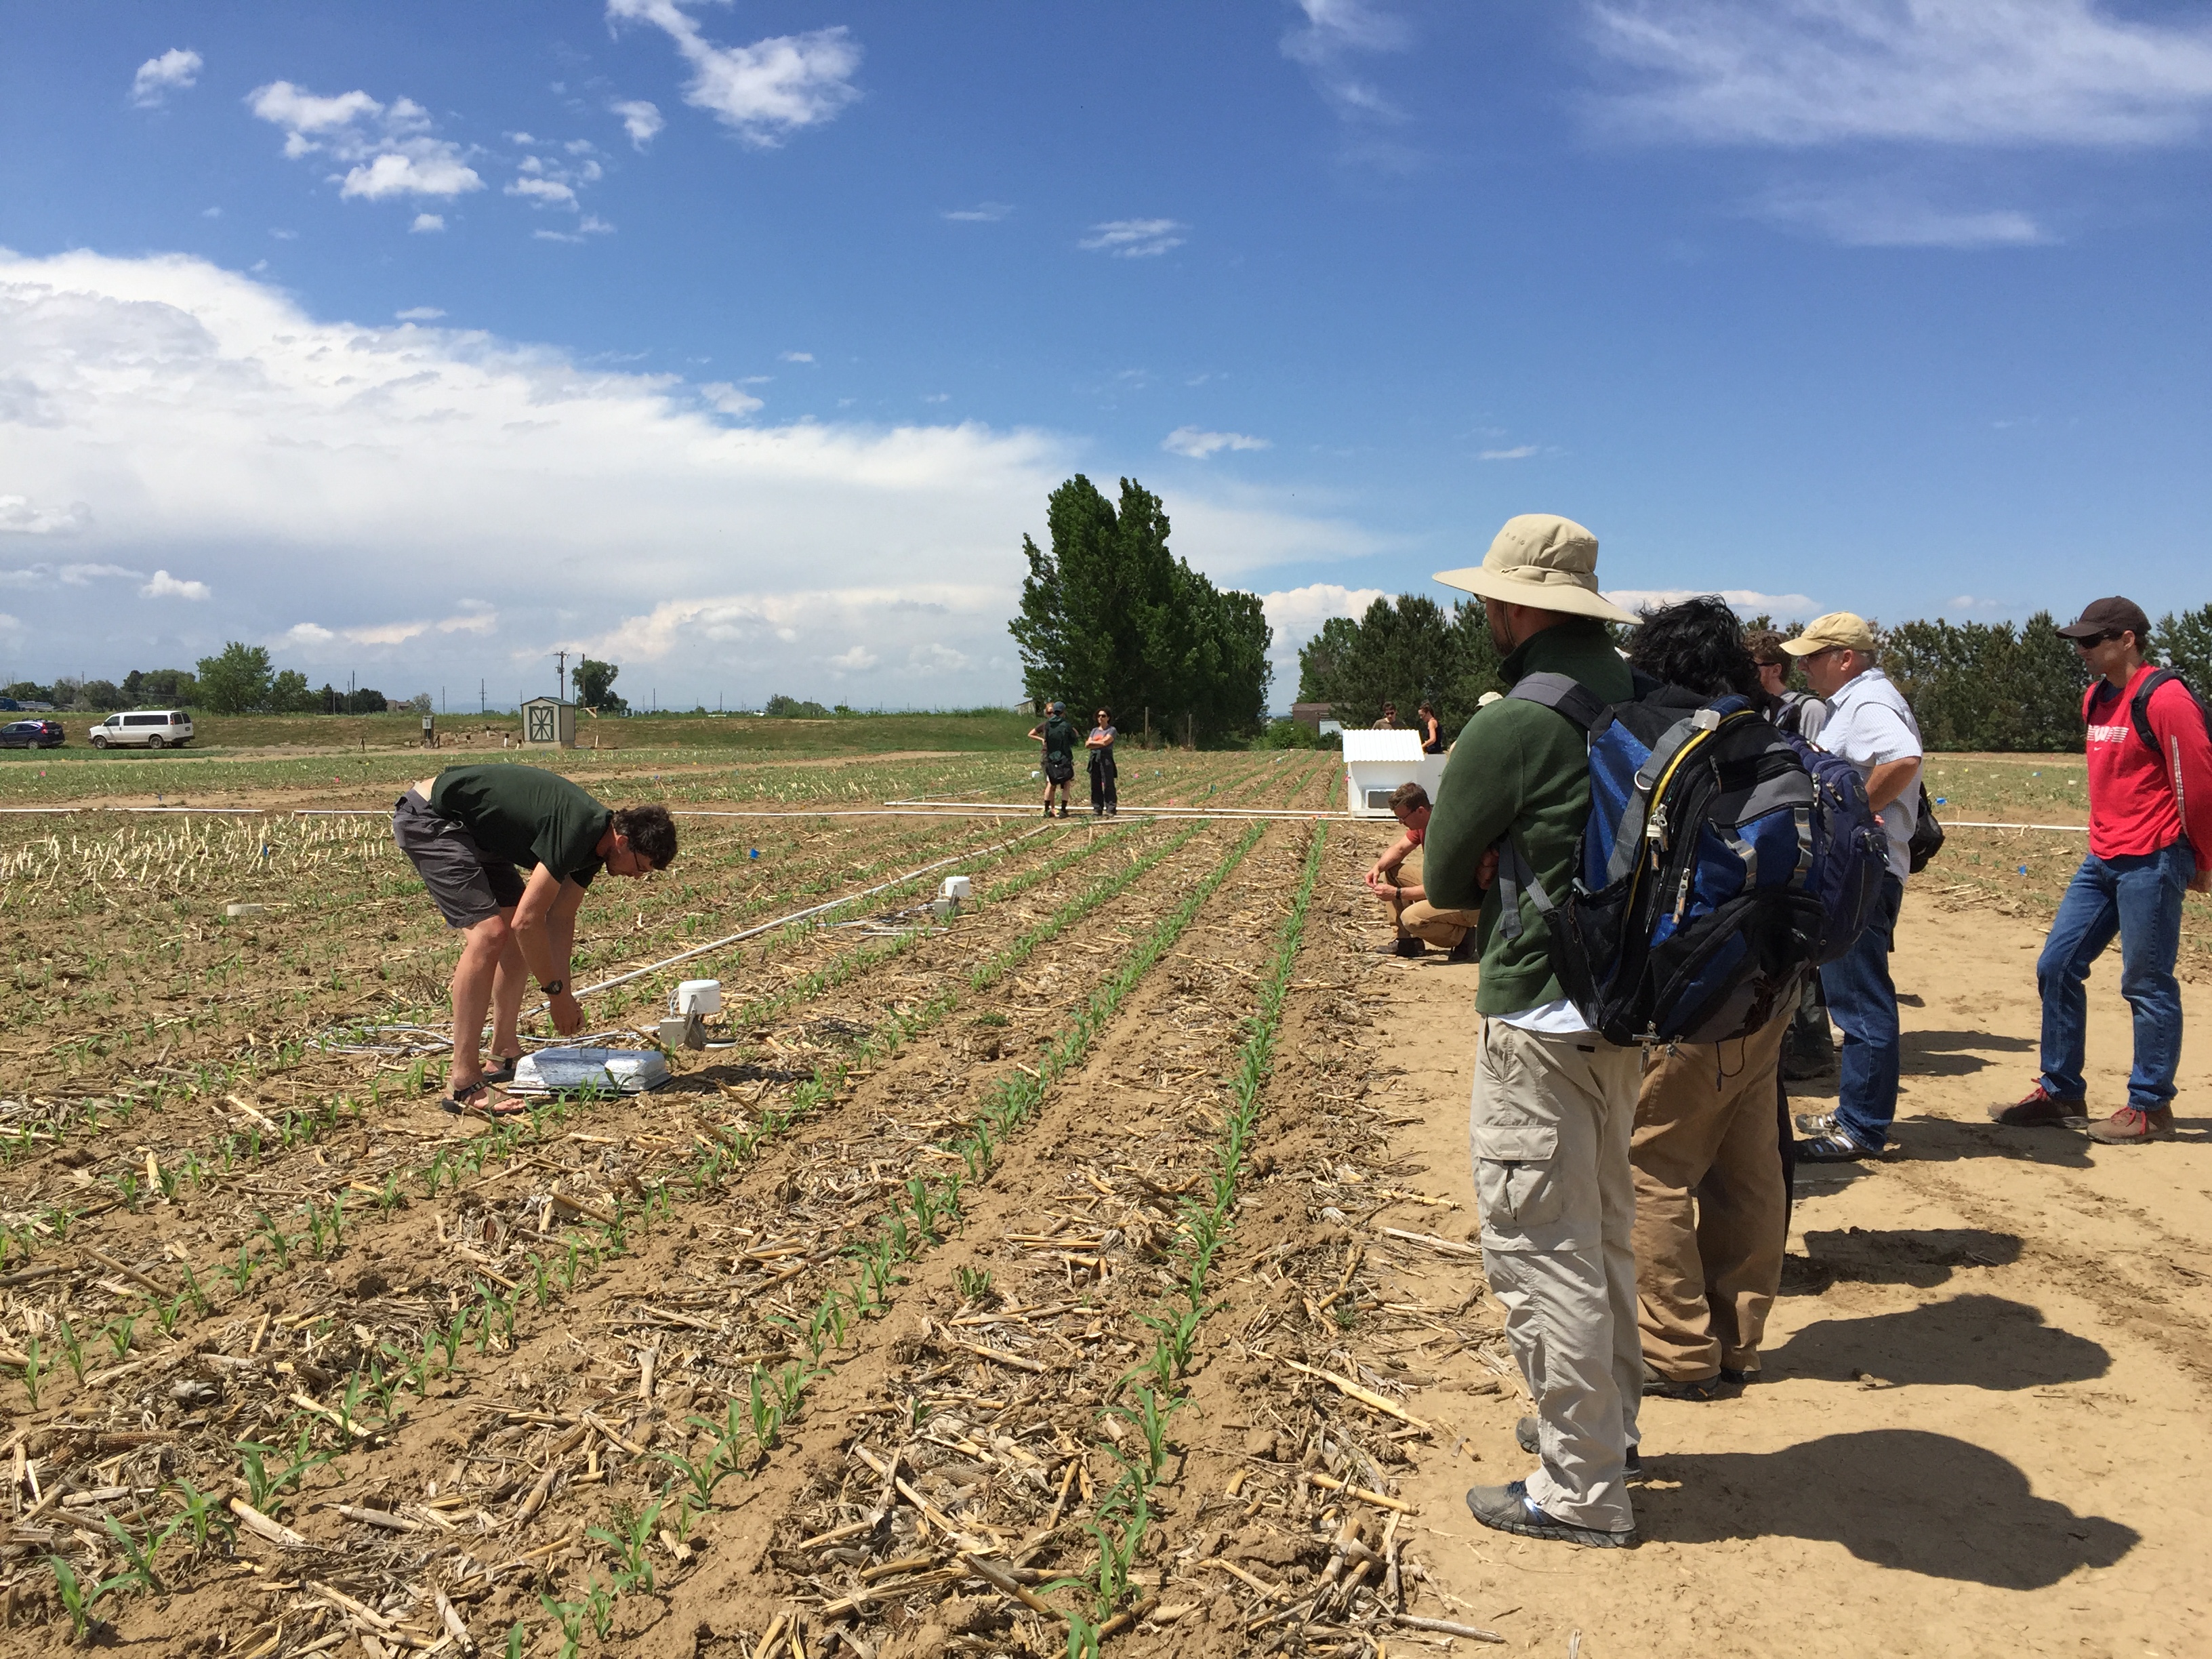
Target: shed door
<point>544,728</point>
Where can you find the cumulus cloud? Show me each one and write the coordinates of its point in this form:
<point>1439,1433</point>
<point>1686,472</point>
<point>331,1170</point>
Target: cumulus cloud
<point>1518,453</point>
<point>166,586</point>
<point>796,356</point>
<point>1133,239</point>
<point>765,91</point>
<point>175,69</point>
<point>1744,601</point>
<point>21,516</point>
<point>427,221</point>
<point>1800,72</point>
<point>723,398</point>
<point>640,120</point>
<point>317,467</point>
<point>419,314</point>
<point>389,146</point>
<point>983,213</point>
<point>1199,446</point>
<point>1296,614</point>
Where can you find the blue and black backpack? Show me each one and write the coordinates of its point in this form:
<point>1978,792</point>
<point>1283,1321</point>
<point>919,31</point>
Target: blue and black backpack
<point>1722,858</point>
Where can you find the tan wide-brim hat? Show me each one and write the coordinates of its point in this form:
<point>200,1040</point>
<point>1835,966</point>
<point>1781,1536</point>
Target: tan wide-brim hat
<point>1845,630</point>
<point>1543,560</point>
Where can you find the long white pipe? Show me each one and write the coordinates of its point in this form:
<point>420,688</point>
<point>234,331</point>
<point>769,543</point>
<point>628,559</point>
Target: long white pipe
<point>801,915</point>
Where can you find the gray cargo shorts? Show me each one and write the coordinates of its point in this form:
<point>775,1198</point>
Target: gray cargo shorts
<point>469,888</point>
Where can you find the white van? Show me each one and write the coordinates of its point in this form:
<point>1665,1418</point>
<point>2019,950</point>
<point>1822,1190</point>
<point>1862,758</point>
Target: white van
<point>146,729</point>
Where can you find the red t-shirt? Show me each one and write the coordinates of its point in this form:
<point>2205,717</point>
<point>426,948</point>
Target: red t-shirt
<point>2141,802</point>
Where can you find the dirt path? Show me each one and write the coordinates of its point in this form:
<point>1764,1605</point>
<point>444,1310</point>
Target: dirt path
<point>1981,1429</point>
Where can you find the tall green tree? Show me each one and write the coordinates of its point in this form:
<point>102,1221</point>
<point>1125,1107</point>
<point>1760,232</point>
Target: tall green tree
<point>1987,685</point>
<point>594,684</point>
<point>2184,643</point>
<point>238,681</point>
<point>1401,650</point>
<point>1111,618</point>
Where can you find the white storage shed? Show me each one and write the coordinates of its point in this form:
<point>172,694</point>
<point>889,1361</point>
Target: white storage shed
<point>1375,763</point>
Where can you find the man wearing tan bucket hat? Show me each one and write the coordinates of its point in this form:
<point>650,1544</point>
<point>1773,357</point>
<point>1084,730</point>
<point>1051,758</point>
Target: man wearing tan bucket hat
<point>1554,1102</point>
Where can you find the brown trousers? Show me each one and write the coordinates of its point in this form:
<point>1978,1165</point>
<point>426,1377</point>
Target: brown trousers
<point>1711,1210</point>
<point>1446,928</point>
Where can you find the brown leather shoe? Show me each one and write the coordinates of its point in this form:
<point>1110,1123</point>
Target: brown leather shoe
<point>2039,1109</point>
<point>2129,1127</point>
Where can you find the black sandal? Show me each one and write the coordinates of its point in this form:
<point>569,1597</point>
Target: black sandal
<point>503,1071</point>
<point>479,1099</point>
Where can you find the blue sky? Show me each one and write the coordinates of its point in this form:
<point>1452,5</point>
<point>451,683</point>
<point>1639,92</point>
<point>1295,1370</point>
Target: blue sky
<point>743,341</point>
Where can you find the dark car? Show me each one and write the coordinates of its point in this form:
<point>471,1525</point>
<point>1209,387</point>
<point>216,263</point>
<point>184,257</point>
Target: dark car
<point>32,734</point>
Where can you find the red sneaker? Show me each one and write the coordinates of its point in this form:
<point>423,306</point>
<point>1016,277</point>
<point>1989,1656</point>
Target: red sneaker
<point>2128,1126</point>
<point>2039,1109</point>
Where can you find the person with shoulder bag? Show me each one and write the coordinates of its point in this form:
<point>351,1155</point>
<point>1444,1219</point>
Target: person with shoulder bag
<point>2149,752</point>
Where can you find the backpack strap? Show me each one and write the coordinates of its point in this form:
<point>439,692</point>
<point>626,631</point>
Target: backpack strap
<point>1514,876</point>
<point>2139,706</point>
<point>1589,715</point>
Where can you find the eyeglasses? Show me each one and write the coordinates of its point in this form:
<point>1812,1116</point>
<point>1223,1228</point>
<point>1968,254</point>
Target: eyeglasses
<point>2094,639</point>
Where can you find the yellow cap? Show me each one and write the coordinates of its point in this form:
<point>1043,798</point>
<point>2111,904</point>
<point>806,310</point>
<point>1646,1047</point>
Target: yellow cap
<point>1838,628</point>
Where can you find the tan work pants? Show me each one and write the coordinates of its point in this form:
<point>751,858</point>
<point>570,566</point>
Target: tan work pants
<point>1549,1125</point>
<point>1444,928</point>
<point>1711,1211</point>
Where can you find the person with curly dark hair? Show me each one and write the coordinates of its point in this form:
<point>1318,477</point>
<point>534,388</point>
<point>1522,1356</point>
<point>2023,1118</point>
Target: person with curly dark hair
<point>466,832</point>
<point>1709,1149</point>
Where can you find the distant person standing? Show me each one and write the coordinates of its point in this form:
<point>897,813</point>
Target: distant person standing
<point>1869,724</point>
<point>1103,802</point>
<point>1432,728</point>
<point>1388,722</point>
<point>1060,738</point>
<point>2150,839</point>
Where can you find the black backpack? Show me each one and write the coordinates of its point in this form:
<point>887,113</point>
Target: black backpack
<point>2139,705</point>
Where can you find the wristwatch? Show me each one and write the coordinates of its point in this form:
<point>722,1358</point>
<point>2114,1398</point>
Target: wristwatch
<point>556,987</point>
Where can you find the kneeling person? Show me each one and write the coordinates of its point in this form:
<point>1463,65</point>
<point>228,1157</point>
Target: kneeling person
<point>465,832</point>
<point>1419,923</point>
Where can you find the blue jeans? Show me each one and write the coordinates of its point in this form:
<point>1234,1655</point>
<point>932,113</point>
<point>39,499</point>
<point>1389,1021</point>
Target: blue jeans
<point>1863,999</point>
<point>2139,898</point>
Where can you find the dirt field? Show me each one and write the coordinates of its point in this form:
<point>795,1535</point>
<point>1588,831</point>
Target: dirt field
<point>1092,1269</point>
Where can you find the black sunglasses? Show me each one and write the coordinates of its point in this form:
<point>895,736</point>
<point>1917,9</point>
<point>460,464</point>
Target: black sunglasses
<point>2094,639</point>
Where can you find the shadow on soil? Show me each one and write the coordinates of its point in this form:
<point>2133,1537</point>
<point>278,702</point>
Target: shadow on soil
<point>1954,1054</point>
<point>1898,1498</point>
<point>1969,1342</point>
<point>1924,1257</point>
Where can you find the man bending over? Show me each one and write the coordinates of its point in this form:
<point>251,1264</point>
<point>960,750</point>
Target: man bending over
<point>1421,924</point>
<point>466,832</point>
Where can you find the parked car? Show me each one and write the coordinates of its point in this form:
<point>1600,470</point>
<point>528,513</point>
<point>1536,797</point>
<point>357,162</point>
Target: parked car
<point>32,734</point>
<point>145,729</point>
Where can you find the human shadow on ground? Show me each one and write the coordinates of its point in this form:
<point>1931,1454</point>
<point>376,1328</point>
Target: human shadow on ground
<point>1898,1498</point>
<point>1951,1053</point>
<point>1922,1257</point>
<point>1926,1139</point>
<point>1972,1341</point>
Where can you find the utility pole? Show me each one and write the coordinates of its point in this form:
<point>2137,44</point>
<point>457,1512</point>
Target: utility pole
<point>483,704</point>
<point>560,675</point>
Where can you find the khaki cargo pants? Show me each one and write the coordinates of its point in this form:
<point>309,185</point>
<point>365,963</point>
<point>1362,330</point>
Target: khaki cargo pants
<point>1442,928</point>
<point>1706,1132</point>
<point>1549,1125</point>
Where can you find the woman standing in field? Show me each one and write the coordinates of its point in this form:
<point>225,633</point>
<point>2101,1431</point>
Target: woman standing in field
<point>1103,805</point>
<point>1057,733</point>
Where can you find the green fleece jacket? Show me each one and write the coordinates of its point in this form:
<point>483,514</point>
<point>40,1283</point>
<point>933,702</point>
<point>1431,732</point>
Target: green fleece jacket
<point>1518,766</point>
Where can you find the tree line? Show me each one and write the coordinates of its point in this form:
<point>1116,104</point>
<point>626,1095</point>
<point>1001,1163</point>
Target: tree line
<point>1110,618</point>
<point>1987,686</point>
<point>240,679</point>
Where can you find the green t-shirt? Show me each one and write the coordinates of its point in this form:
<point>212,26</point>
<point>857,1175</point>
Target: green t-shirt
<point>525,815</point>
<point>1061,738</point>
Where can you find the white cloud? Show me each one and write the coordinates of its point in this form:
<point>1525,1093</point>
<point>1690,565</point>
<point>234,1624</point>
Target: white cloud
<point>83,575</point>
<point>1296,614</point>
<point>1133,239</point>
<point>176,68</point>
<point>640,120</point>
<point>767,90</point>
<point>419,314</point>
<point>389,145</point>
<point>1744,601</point>
<point>1199,446</point>
<point>796,356</point>
<point>983,213</point>
<point>1859,215</point>
<point>166,586</point>
<point>1335,30</point>
<point>860,657</point>
<point>21,516</point>
<point>1798,72</point>
<point>725,399</point>
<point>544,191</point>
<point>1518,453</point>
<point>427,221</point>
<point>315,468</point>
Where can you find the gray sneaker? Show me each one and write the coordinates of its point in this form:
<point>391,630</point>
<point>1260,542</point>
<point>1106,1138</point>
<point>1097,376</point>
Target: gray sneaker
<point>1509,1509</point>
<point>1812,1126</point>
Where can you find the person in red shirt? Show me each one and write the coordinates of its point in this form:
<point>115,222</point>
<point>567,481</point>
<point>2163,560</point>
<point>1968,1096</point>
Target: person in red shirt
<point>1419,923</point>
<point>2150,839</point>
